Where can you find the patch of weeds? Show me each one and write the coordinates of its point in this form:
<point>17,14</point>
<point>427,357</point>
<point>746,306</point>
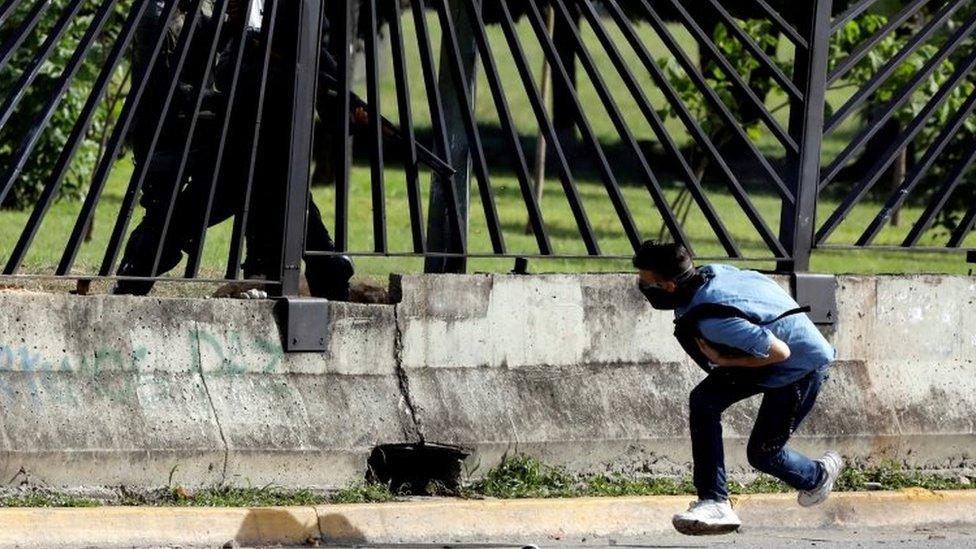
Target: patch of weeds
<point>521,476</point>
<point>366,492</point>
<point>891,476</point>
<point>228,496</point>
<point>44,499</point>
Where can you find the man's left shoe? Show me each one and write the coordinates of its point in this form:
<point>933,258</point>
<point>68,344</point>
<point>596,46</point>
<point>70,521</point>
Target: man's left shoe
<point>832,464</point>
<point>707,517</point>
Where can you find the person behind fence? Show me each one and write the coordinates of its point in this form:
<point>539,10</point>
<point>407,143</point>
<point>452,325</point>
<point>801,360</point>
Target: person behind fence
<point>752,339</point>
<point>327,276</point>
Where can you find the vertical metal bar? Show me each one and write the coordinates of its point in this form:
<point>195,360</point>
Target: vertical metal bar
<point>451,54</point>
<point>561,75</point>
<point>801,217</point>
<point>341,41</point>
<point>300,151</point>
<point>509,130</point>
<point>20,88</point>
<point>445,230</point>
<point>623,130</point>
<point>141,170</point>
<point>941,197</point>
<point>112,149</point>
<point>197,245</point>
<point>18,159</point>
<point>240,220</point>
<point>548,128</point>
<point>409,142</point>
<point>657,125</point>
<point>77,135</point>
<point>375,129</point>
<point>30,21</point>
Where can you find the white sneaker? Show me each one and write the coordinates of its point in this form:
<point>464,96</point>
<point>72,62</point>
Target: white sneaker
<point>832,465</point>
<point>707,517</point>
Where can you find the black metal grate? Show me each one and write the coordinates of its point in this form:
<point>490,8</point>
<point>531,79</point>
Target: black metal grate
<point>247,85</point>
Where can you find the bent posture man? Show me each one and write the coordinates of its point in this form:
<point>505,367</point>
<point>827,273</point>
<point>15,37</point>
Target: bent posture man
<point>750,337</point>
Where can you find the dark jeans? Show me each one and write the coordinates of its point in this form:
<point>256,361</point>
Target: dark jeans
<point>781,412</point>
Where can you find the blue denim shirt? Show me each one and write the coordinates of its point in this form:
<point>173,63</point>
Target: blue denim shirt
<point>759,296</point>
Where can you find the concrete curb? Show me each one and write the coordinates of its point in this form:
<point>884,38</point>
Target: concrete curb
<point>444,521</point>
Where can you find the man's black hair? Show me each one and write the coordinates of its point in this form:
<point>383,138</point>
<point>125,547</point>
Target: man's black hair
<point>666,259</point>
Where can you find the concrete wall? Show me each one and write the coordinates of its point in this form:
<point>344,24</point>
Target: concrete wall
<point>575,369</point>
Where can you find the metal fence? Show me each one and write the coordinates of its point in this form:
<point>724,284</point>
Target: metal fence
<point>248,96</point>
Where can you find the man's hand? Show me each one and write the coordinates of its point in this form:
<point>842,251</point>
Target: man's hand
<point>778,352</point>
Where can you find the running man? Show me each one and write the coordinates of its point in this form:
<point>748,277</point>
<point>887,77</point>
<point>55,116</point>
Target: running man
<point>748,334</point>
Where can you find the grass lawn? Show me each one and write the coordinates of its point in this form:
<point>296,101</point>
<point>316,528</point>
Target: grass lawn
<point>49,244</point>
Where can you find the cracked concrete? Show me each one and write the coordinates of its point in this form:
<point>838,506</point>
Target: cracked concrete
<point>403,382</point>
<point>216,416</point>
<point>574,369</point>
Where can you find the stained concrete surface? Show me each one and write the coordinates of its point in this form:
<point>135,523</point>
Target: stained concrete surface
<point>930,537</point>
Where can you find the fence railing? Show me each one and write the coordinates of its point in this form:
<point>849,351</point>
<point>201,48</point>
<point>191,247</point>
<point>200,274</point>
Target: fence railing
<point>745,130</point>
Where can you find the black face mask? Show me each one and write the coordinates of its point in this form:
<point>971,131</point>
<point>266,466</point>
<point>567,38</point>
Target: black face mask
<point>664,300</point>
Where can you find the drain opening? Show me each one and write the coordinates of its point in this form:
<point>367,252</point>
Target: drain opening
<point>421,469</point>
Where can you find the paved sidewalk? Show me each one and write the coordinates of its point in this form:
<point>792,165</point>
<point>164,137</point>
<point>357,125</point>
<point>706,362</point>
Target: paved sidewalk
<point>643,521</point>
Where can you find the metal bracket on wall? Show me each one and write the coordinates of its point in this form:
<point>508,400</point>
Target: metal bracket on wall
<point>305,323</point>
<point>820,293</point>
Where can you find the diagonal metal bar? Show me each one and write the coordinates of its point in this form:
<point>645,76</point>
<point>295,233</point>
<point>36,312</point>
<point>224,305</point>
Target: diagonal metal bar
<point>963,229</point>
<point>409,142</point>
<point>657,125</point>
<point>111,151</point>
<point>698,79</point>
<point>917,40</point>
<point>919,171</point>
<point>436,107</point>
<point>18,160</point>
<point>480,164</point>
<point>706,42</point>
<point>849,15</point>
<point>865,47</point>
<point>377,180</point>
<point>690,122</point>
<point>195,253</point>
<point>888,157</point>
<point>219,10</point>
<point>495,86</point>
<point>603,165</point>
<point>546,126</point>
<point>889,110</point>
<point>623,130</point>
<point>757,52</point>
<point>21,87</point>
<point>9,48</point>
<point>7,7</point>
<point>941,197</point>
<point>269,16</point>
<point>783,26</point>
<point>53,183</point>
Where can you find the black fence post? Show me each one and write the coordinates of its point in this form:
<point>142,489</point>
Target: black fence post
<point>797,222</point>
<point>309,30</point>
<point>441,232</point>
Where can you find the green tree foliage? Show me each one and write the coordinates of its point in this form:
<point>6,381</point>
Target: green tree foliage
<point>37,171</point>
